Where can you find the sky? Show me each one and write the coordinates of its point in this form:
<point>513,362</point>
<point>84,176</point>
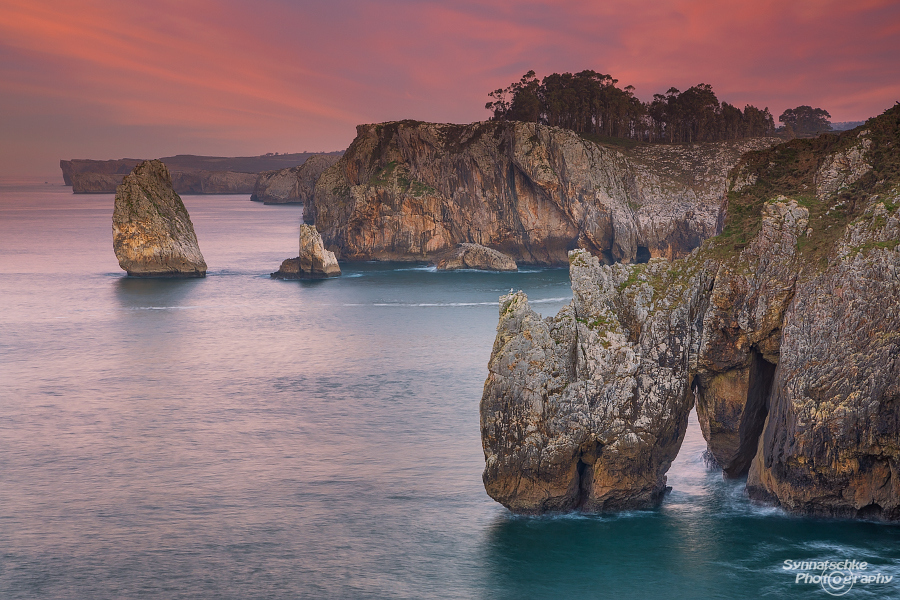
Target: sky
<point>109,79</point>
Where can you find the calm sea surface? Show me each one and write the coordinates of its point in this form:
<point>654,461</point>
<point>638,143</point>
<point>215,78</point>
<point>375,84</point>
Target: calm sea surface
<point>242,437</point>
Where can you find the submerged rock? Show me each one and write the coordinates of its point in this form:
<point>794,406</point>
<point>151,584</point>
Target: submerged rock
<point>476,256</point>
<point>786,328</point>
<point>314,262</point>
<point>152,232</point>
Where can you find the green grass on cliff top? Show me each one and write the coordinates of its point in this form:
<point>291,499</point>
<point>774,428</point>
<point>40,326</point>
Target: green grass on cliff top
<point>789,170</point>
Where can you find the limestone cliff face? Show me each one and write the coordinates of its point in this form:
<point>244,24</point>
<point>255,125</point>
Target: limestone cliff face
<point>152,233</point>
<point>786,327</point>
<point>293,185</point>
<point>406,190</point>
<point>587,410</point>
<point>831,443</point>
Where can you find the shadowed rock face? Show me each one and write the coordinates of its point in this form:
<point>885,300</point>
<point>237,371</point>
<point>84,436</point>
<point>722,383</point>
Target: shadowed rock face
<point>476,256</point>
<point>786,327</point>
<point>314,262</point>
<point>409,190</point>
<point>152,233</point>
<point>294,185</point>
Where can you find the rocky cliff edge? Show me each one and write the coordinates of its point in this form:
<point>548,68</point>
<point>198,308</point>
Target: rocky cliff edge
<point>784,331</point>
<point>407,190</point>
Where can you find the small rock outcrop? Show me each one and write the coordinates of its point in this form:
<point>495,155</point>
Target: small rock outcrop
<point>784,331</point>
<point>476,256</point>
<point>293,185</point>
<point>314,262</point>
<point>412,191</point>
<point>152,233</point>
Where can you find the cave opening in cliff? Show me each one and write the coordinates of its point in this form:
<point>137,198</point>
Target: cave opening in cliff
<point>756,409</point>
<point>643,255</point>
<point>871,511</point>
<point>584,475</point>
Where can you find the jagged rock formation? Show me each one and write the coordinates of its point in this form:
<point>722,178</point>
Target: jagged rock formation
<point>409,190</point>
<point>786,327</point>
<point>587,410</point>
<point>476,256</point>
<point>294,185</point>
<point>152,233</point>
<point>314,262</point>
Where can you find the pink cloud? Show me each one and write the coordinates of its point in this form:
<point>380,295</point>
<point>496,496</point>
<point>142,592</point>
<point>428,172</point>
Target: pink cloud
<point>237,77</point>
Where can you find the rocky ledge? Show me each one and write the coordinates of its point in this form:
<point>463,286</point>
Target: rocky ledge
<point>411,191</point>
<point>314,261</point>
<point>476,256</point>
<point>152,232</point>
<point>783,331</point>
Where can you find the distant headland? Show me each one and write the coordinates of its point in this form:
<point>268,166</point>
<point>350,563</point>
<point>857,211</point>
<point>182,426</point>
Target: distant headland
<point>190,174</point>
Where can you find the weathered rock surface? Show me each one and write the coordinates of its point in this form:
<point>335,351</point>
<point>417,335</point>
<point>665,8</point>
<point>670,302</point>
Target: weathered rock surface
<point>587,410</point>
<point>831,443</point>
<point>293,185</point>
<point>786,327</point>
<point>476,256</point>
<point>152,233</point>
<point>314,262</point>
<point>742,335</point>
<point>408,190</point>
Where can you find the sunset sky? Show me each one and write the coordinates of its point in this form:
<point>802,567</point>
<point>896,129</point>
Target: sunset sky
<point>116,78</point>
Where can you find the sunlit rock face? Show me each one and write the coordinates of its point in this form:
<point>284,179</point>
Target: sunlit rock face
<point>784,331</point>
<point>152,232</point>
<point>314,261</point>
<point>410,190</point>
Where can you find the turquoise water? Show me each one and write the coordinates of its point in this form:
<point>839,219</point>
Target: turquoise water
<point>242,437</point>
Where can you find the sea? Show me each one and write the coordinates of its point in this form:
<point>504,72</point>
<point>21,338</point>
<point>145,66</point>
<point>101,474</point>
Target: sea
<point>241,437</point>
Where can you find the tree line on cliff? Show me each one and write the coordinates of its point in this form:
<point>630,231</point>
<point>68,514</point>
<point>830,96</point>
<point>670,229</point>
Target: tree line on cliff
<point>590,103</point>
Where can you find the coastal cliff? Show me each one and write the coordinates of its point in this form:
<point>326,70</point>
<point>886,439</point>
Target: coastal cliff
<point>408,190</point>
<point>293,185</point>
<point>784,330</point>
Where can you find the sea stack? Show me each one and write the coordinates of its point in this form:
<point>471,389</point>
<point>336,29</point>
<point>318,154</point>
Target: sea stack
<point>314,262</point>
<point>152,232</point>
